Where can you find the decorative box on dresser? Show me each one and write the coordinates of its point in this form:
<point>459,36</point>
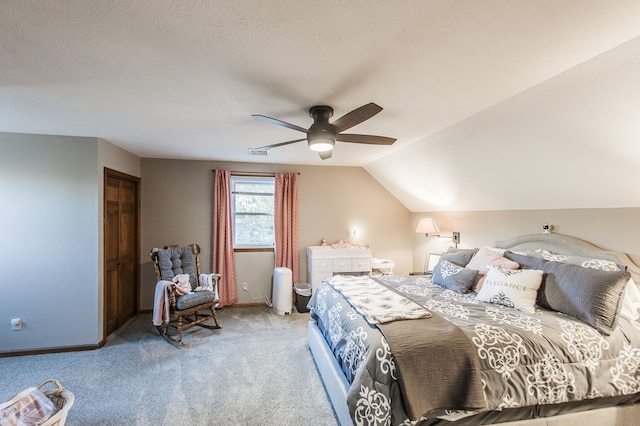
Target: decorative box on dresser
<point>324,262</point>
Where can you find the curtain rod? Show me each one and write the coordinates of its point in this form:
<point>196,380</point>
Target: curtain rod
<point>240,172</point>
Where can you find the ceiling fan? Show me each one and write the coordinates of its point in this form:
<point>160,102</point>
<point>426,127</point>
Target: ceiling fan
<point>322,135</point>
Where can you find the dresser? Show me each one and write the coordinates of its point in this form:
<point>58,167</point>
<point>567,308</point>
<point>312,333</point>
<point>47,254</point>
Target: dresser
<point>324,262</point>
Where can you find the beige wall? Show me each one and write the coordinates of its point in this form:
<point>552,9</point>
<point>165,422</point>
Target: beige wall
<point>333,201</point>
<point>176,197</point>
<point>610,229</point>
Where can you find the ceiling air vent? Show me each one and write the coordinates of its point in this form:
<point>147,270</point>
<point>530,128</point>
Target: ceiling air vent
<point>258,151</point>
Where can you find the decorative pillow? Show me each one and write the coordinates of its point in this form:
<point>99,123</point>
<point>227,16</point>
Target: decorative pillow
<point>484,258</point>
<point>590,295</point>
<point>631,297</point>
<point>454,277</point>
<point>585,262</point>
<point>500,251</point>
<point>471,251</point>
<point>631,301</point>
<point>458,256</point>
<point>513,288</point>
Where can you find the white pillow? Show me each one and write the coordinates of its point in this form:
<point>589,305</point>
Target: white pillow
<point>514,288</point>
<point>631,301</point>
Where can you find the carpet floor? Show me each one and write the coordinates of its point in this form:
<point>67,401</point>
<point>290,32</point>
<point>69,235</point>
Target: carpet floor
<point>256,370</point>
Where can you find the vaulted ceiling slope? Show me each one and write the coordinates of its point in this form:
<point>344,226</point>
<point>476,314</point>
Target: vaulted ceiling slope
<point>475,92</point>
<point>572,141</point>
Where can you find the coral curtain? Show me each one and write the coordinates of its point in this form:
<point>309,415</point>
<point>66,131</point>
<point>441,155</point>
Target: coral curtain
<point>286,222</point>
<point>222,253</point>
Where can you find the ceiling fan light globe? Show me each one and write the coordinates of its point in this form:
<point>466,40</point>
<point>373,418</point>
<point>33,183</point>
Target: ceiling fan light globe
<point>321,144</point>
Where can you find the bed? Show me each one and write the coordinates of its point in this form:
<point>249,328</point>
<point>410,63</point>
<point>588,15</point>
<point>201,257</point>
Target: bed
<point>381,346</point>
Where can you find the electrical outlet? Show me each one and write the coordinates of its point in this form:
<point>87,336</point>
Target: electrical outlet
<point>244,286</point>
<point>16,324</point>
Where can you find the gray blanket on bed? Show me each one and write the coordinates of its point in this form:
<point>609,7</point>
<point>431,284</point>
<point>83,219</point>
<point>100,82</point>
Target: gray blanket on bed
<point>423,349</point>
<point>526,360</point>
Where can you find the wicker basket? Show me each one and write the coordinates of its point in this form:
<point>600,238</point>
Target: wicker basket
<point>62,399</point>
<point>29,406</point>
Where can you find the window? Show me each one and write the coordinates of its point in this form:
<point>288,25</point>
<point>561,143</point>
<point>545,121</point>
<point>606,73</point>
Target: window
<point>252,206</point>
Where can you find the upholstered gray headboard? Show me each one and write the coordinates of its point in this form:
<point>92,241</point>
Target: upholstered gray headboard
<point>564,244</point>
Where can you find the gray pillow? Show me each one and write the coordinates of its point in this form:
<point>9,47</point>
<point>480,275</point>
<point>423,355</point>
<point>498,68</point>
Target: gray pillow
<point>585,262</point>
<point>454,277</point>
<point>590,295</point>
<point>458,256</point>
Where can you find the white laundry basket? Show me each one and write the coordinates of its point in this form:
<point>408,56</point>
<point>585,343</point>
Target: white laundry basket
<point>33,404</point>
<point>282,291</point>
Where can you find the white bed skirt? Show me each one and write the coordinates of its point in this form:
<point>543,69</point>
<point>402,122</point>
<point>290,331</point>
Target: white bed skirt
<point>334,381</point>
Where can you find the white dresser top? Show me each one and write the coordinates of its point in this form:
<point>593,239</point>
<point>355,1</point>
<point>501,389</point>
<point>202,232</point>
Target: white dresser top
<point>327,252</point>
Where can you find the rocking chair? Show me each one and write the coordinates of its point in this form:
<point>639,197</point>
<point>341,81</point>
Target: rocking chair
<point>176,306</point>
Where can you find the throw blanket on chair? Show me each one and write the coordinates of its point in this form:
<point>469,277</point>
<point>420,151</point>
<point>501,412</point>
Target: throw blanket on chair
<point>206,282</point>
<point>161,303</point>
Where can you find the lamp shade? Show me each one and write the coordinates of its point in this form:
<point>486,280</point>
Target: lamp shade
<point>427,226</point>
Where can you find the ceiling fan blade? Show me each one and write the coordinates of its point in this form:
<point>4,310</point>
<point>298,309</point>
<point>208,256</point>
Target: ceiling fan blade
<point>280,123</point>
<point>356,116</point>
<point>326,154</point>
<point>275,145</point>
<point>368,139</point>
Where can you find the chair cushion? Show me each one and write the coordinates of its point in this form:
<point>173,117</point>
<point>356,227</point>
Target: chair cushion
<point>193,299</point>
<point>177,261</point>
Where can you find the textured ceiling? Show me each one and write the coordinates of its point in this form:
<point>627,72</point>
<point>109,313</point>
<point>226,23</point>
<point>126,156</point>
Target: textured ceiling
<point>180,79</point>
<point>496,104</point>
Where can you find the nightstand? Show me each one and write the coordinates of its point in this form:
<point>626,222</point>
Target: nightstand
<point>382,267</point>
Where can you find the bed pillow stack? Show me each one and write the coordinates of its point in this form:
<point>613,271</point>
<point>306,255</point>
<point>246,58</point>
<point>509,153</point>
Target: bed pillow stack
<point>591,295</point>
